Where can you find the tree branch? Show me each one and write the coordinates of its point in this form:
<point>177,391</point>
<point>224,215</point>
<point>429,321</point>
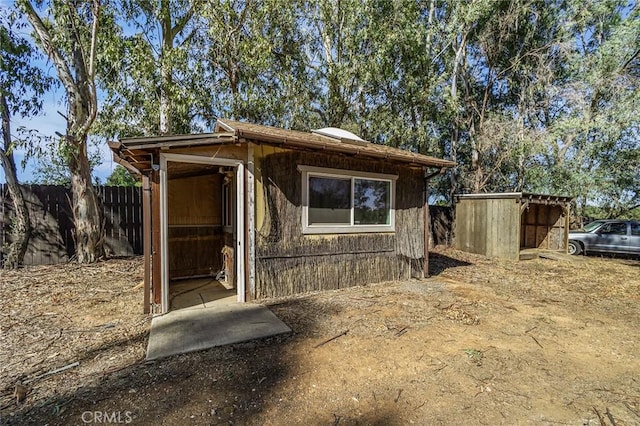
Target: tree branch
<point>95,10</point>
<point>76,34</point>
<point>46,40</point>
<point>182,22</point>
<point>634,56</point>
<point>91,70</point>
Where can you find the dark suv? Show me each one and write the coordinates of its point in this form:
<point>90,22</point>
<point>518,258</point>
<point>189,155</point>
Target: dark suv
<point>606,236</point>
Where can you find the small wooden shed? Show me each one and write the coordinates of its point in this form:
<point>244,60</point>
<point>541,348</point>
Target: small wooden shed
<point>503,224</point>
<point>278,212</point>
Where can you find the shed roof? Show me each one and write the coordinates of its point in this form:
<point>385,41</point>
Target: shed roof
<point>135,151</point>
<point>522,196</point>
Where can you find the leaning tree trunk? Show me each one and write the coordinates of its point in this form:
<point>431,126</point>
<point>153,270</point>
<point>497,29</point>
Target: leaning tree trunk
<point>89,229</point>
<point>21,225</point>
<point>76,71</point>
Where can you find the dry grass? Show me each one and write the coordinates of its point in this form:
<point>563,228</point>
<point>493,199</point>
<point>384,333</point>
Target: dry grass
<point>53,316</point>
<point>482,342</point>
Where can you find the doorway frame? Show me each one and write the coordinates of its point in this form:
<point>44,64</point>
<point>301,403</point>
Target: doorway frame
<point>239,250</point>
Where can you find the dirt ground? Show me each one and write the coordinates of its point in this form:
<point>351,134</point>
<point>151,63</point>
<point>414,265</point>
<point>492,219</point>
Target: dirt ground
<point>481,342</point>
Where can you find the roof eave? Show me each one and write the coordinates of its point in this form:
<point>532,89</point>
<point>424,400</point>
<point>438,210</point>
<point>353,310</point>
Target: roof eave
<point>355,149</point>
<point>174,141</point>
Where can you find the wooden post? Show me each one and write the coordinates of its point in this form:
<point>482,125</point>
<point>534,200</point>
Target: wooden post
<point>567,222</point>
<point>146,240</point>
<point>156,259</point>
<point>425,208</point>
<point>425,266</point>
<point>250,248</point>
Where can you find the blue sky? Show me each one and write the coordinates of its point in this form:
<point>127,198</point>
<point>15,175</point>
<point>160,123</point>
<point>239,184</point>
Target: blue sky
<point>48,123</point>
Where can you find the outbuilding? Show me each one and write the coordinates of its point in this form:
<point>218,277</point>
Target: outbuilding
<point>268,212</point>
<point>504,224</point>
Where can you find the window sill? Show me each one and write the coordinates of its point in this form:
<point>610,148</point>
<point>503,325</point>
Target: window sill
<point>364,229</point>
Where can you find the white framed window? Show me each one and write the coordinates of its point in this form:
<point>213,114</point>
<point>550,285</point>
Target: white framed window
<point>343,201</point>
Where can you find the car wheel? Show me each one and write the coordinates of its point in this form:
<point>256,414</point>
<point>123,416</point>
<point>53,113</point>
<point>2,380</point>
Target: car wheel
<point>575,248</point>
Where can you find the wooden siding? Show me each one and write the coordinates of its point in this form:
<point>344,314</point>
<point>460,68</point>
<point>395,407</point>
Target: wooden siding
<point>288,262</point>
<point>194,251</point>
<point>502,226</point>
<point>490,227</point>
<point>195,201</point>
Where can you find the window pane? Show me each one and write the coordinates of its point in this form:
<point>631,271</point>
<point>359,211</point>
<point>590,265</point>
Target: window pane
<point>329,201</point>
<point>371,202</point>
<point>592,225</point>
<point>615,229</point>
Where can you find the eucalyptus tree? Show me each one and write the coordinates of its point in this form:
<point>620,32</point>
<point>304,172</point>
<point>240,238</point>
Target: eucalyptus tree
<point>497,59</point>
<point>337,57</point>
<point>396,102</point>
<point>522,51</point>
<point>20,86</point>
<point>592,149</point>
<point>68,34</point>
<point>254,61</point>
<point>151,78</point>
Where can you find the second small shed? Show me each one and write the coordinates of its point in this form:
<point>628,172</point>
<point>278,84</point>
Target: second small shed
<point>503,224</point>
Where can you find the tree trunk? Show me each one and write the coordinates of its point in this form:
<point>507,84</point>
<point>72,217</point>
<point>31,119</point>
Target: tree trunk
<point>165,102</point>
<point>455,131</point>
<point>87,213</point>
<point>82,110</point>
<point>166,126</point>
<point>21,225</point>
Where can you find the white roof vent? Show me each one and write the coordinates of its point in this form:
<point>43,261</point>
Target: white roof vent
<point>334,132</point>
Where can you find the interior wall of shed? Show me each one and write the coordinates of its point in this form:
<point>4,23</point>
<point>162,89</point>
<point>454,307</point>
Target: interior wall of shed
<point>196,236</point>
<point>542,226</point>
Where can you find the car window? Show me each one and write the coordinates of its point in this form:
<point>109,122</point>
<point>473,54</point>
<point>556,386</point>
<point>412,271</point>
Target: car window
<point>592,225</point>
<point>614,228</point>
<point>635,229</point>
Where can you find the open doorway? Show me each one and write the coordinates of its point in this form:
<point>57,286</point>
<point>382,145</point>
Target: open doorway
<point>543,226</point>
<point>201,226</point>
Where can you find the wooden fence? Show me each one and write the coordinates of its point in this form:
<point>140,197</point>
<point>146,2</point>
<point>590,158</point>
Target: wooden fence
<point>52,239</point>
<point>441,226</point>
<point>51,216</point>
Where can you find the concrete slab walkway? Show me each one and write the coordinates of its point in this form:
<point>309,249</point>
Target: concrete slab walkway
<point>188,330</point>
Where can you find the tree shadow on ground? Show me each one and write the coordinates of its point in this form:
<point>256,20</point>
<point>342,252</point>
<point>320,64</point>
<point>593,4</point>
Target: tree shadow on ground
<point>235,384</point>
<point>438,263</point>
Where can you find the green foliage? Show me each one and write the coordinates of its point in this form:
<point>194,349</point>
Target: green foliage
<point>21,85</point>
<point>50,159</point>
<point>122,177</point>
<point>591,137</point>
<point>534,95</point>
<point>21,82</point>
<point>255,65</point>
<point>150,64</point>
